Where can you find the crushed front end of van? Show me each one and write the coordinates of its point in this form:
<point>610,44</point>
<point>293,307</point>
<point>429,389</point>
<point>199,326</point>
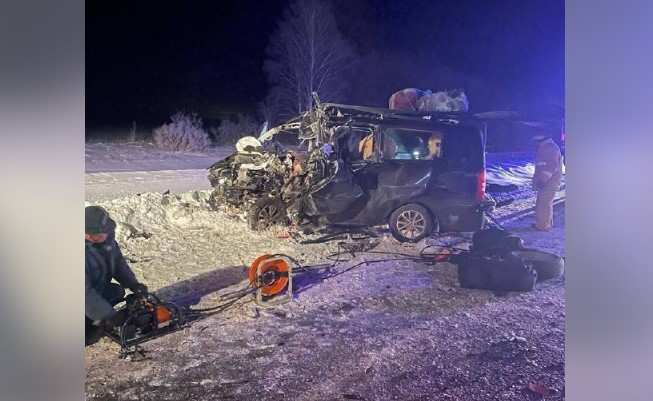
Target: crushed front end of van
<point>361,166</point>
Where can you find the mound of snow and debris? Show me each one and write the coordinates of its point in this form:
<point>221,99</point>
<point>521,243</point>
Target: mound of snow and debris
<point>175,237</point>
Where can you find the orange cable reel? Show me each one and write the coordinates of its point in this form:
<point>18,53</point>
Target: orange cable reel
<point>273,278</point>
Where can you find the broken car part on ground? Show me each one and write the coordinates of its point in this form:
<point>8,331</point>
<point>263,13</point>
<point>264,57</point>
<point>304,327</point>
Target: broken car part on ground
<point>418,172</point>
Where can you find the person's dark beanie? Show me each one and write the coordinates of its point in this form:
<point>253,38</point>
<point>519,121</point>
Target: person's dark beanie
<point>98,220</point>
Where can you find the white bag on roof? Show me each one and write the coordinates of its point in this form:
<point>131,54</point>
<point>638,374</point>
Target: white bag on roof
<point>444,101</point>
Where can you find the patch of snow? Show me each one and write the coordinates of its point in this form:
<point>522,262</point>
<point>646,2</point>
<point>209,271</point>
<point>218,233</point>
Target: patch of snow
<point>176,237</point>
<point>510,168</point>
<point>111,185</point>
<point>145,156</point>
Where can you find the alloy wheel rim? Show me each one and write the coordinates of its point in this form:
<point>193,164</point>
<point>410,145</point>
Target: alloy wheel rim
<point>266,215</point>
<point>411,224</point>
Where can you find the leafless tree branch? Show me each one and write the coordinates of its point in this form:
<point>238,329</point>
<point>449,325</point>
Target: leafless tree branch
<point>306,53</point>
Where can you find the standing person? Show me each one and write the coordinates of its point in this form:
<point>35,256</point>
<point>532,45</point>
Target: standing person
<point>546,180</point>
<point>104,262</point>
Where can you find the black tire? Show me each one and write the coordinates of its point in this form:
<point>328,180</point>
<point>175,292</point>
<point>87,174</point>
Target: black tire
<point>411,223</point>
<point>547,265</point>
<point>266,212</point>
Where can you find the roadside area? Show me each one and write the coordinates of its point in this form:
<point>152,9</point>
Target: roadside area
<point>145,156</point>
<point>391,329</point>
<point>105,186</point>
<point>116,170</point>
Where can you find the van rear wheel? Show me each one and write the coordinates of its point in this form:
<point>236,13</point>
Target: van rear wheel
<point>411,223</point>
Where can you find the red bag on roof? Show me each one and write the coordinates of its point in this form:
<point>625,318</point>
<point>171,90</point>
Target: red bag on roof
<point>405,99</point>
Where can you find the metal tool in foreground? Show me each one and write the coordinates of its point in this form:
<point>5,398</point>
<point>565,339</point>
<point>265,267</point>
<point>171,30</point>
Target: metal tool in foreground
<point>147,317</point>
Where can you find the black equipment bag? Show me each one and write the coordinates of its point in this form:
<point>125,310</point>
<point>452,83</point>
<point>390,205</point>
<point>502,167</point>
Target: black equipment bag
<point>495,241</point>
<point>498,273</point>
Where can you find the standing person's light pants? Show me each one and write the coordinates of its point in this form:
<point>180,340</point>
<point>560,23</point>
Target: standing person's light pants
<point>544,208</point>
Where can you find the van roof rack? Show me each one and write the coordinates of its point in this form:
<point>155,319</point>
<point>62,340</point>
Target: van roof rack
<point>378,113</point>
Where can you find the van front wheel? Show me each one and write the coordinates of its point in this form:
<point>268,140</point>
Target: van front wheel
<point>411,223</point>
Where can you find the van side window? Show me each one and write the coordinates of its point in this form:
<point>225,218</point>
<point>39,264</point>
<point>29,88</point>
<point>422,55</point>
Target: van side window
<point>406,144</point>
<point>357,145</point>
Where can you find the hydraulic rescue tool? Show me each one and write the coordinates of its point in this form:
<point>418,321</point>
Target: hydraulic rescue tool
<point>146,317</point>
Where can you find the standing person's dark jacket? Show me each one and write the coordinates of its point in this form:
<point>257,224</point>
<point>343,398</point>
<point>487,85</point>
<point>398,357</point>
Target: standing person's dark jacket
<point>104,262</point>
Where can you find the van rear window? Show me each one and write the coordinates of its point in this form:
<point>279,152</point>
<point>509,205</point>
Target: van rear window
<point>463,149</point>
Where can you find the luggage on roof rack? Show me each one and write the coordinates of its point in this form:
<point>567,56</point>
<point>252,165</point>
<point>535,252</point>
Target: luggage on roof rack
<point>340,111</point>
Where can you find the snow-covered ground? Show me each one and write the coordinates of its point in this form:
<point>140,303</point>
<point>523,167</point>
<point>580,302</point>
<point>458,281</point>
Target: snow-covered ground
<point>510,168</point>
<point>175,237</point>
<point>145,156</point>
<point>122,169</point>
<point>110,185</point>
<point>387,330</point>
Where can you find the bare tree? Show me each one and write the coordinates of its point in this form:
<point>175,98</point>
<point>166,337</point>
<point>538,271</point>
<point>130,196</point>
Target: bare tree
<point>307,53</point>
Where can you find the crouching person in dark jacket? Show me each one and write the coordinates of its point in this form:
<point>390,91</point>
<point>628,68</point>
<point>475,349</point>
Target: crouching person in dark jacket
<point>104,262</point>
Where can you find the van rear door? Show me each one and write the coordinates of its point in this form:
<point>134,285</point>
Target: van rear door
<point>464,171</point>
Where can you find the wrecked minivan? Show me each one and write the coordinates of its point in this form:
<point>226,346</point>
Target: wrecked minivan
<point>358,166</point>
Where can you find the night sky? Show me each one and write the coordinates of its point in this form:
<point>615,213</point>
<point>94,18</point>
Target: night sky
<point>146,59</point>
